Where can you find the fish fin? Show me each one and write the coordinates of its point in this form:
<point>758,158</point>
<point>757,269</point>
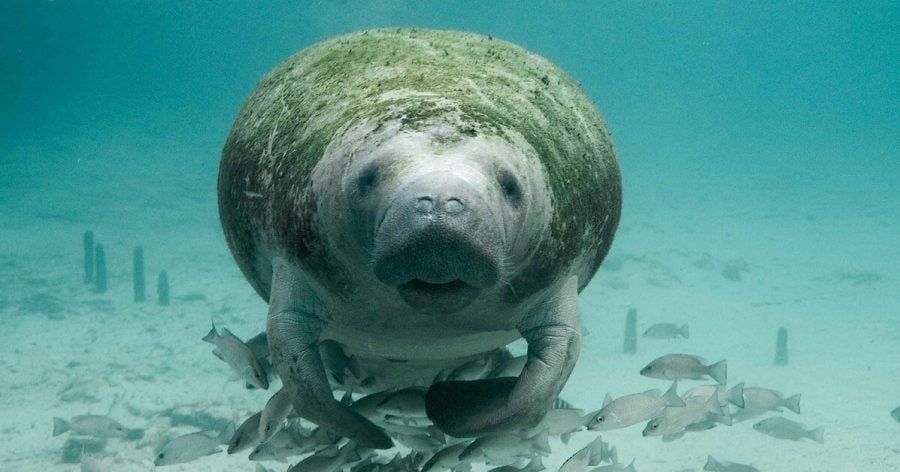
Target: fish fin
<point>60,426</point>
<point>227,332</point>
<point>817,435</point>
<point>685,331</point>
<point>226,434</point>
<point>719,372</point>
<point>535,465</point>
<point>736,395</point>
<point>347,398</point>
<point>793,403</point>
<point>541,441</point>
<point>613,455</point>
<point>598,451</point>
<point>630,467</point>
<point>606,400</point>
<point>212,334</point>
<point>671,396</point>
<point>725,417</point>
<point>565,437</point>
<point>712,464</point>
<point>584,332</point>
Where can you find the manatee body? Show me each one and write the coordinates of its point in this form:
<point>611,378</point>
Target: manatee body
<point>420,196</point>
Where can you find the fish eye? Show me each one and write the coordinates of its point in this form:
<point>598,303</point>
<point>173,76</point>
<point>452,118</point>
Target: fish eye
<point>599,418</point>
<point>161,455</point>
<point>654,426</point>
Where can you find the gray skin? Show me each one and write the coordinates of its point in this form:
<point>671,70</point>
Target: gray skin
<point>426,197</point>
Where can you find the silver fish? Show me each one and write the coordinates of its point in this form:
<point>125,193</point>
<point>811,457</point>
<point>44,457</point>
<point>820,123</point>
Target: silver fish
<point>562,421</point>
<point>578,462</point>
<point>716,466</point>
<point>273,415</point>
<point>616,468</point>
<point>534,466</point>
<point>186,448</point>
<point>408,402</point>
<point>246,436</point>
<point>685,366</point>
<point>330,459</point>
<point>783,428</point>
<point>667,331</point>
<point>734,395</point>
<point>238,356</point>
<point>499,447</point>
<point>675,419</point>
<point>758,398</point>
<point>632,409</point>
<point>446,459</point>
<point>98,426</point>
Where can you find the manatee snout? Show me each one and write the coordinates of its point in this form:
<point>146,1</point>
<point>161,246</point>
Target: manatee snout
<point>439,243</point>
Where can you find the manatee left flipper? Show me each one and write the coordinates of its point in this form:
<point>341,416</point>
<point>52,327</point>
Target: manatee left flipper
<point>293,331</point>
<point>553,333</point>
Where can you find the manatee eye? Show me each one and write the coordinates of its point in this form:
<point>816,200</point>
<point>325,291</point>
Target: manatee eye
<point>367,179</point>
<point>510,186</point>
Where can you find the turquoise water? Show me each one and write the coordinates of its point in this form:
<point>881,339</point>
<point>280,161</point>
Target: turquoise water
<point>760,154</point>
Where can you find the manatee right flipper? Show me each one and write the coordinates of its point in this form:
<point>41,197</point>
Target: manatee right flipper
<point>477,407</point>
<point>293,333</point>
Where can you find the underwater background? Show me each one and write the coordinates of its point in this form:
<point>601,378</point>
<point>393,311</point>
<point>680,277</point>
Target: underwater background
<point>760,153</point>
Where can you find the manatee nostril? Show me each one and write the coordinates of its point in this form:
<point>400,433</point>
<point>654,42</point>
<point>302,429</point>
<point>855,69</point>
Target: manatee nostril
<point>453,205</point>
<point>424,205</point>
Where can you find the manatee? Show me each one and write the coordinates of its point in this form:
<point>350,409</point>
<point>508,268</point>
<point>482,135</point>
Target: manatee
<point>421,198</point>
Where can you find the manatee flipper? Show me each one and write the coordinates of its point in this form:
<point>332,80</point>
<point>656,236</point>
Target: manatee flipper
<point>553,333</point>
<point>293,331</point>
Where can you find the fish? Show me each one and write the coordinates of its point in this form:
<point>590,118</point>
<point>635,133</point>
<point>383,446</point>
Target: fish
<point>783,428</point>
<point>562,422</point>
<point>368,405</point>
<point>675,419</point>
<point>758,398</point>
<point>273,415</point>
<point>499,447</point>
<point>511,367</point>
<point>616,468</point>
<point>97,426</point>
<point>238,356</point>
<point>716,466</point>
<point>188,447</point>
<point>685,366</point>
<point>534,466</point>
<point>408,402</point>
<point>896,414</point>
<point>246,436</point>
<point>419,442</point>
<point>602,452</point>
<point>579,461</point>
<point>632,409</point>
<point>734,395</point>
<point>292,441</point>
<point>330,459</point>
<point>667,331</point>
<point>446,459</point>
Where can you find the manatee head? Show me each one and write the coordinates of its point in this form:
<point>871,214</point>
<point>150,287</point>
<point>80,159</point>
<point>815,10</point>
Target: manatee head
<point>439,214</point>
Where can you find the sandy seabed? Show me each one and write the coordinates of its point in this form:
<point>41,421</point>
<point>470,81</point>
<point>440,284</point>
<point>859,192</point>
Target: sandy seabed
<point>735,277</point>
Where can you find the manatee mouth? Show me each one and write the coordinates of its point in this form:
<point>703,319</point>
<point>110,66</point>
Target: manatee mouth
<point>438,297</point>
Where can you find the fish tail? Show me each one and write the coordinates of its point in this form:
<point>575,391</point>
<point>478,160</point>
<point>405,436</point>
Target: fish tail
<point>736,395</point>
<point>671,396</point>
<point>685,331</point>
<point>712,464</point>
<point>817,435</point>
<point>613,455</point>
<point>719,372</point>
<point>212,334</point>
<point>60,426</point>
<point>630,467</point>
<point>793,403</point>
